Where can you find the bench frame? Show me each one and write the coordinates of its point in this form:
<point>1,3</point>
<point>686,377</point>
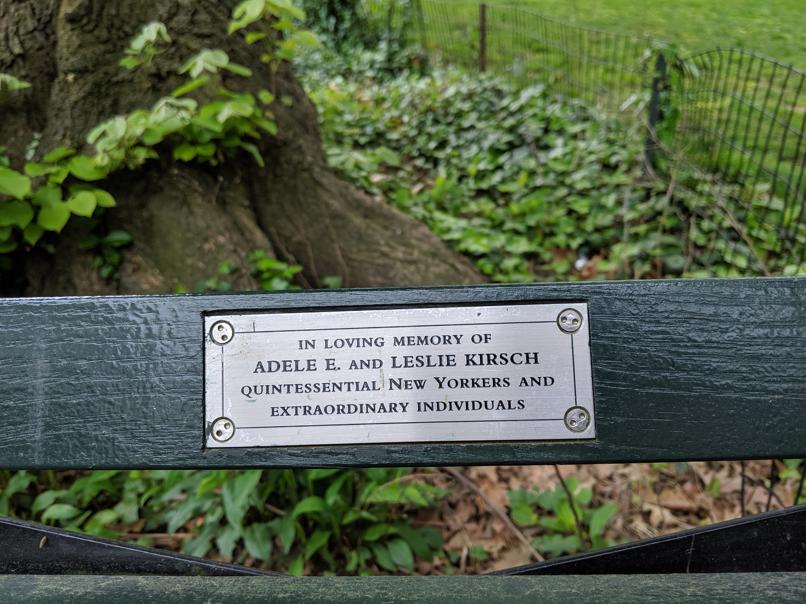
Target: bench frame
<point>682,370</point>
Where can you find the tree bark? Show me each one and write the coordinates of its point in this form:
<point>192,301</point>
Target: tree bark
<point>186,219</point>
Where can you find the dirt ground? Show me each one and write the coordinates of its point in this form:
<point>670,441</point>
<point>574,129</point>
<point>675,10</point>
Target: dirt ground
<point>653,499</point>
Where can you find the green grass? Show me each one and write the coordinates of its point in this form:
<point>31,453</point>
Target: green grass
<point>771,27</point>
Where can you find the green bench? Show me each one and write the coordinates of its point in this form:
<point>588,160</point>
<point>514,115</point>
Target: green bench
<point>678,370</point>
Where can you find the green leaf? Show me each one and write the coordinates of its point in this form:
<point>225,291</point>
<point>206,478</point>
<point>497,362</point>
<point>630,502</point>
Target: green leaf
<point>205,151</point>
<point>318,540</point>
<point>268,125</point>
<point>90,485</point>
<point>285,8</point>
<point>60,511</point>
<point>286,533</point>
<point>58,154</point>
<point>388,156</point>
<point>13,183</point>
<point>129,62</point>
<point>383,558</point>
<point>583,497</point>
<point>236,493</point>
<point>47,498</point>
<point>600,518</point>
<point>47,195</point>
<point>112,130</point>
<point>414,494</point>
<point>297,567</point>
<point>320,473</point>
<point>98,522</point>
<point>234,109</point>
<point>376,531</point>
<point>53,217</point>
<point>200,545</point>
<point>308,505</point>
<point>417,540</point>
<point>85,168</point>
<point>184,152</point>
<point>401,555</point>
<point>10,83</point>
<point>150,33</point>
<point>255,36</point>
<point>257,540</point>
<point>180,514</point>
<point>237,69</point>
<point>477,552</point>
<point>33,233</point>
<point>306,38</point>
<point>83,203</point>
<point>245,14</point>
<point>190,86</point>
<point>226,540</point>
<point>206,60</point>
<point>15,213</point>
<point>557,544</point>
<point>16,484</point>
<point>565,515</point>
<point>34,169</point>
<point>254,152</point>
<point>266,97</point>
<point>104,199</point>
<point>353,515</point>
<point>117,238</point>
<point>58,176</point>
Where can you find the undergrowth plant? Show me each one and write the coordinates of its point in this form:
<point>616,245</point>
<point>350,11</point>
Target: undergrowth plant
<point>529,185</point>
<point>561,524</point>
<point>347,521</point>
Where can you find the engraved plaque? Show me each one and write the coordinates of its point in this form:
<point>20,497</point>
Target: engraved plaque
<point>404,375</point>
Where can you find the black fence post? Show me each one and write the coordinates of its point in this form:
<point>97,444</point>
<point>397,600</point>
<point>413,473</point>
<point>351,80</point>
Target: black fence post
<point>391,42</point>
<point>420,17</point>
<point>482,37</point>
<point>660,86</point>
<point>390,19</point>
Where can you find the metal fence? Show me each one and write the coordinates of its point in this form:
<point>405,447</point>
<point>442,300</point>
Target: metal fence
<point>742,117</point>
<point>735,119</point>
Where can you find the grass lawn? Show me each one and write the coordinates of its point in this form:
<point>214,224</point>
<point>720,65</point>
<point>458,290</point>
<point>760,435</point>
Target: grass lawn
<point>776,28</point>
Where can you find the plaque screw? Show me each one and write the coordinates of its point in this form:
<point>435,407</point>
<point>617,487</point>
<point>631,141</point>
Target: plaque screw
<point>222,332</point>
<point>569,320</point>
<point>577,419</point>
<point>222,429</point>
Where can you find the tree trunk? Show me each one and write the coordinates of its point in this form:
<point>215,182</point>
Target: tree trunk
<point>185,218</point>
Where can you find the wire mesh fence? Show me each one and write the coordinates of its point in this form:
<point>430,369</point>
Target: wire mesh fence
<point>742,118</point>
<point>735,119</point>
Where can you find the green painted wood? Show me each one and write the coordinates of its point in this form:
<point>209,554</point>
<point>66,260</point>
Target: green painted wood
<point>683,370</point>
<point>749,587</point>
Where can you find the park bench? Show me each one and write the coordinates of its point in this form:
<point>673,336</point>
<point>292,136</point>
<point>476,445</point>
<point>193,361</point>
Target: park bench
<point>628,372</point>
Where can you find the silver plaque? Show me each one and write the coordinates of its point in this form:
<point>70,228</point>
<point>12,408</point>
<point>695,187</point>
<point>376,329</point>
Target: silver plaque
<point>405,375</point>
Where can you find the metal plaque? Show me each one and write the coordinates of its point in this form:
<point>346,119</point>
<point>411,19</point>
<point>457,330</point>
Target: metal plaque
<point>405,375</point>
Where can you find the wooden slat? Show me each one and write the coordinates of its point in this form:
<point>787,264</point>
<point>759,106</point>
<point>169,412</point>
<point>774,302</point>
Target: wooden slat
<point>710,589</point>
<point>683,370</point>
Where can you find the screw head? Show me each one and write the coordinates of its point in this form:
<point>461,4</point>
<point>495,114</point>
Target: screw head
<point>577,419</point>
<point>222,429</point>
<point>222,332</point>
<point>569,320</point>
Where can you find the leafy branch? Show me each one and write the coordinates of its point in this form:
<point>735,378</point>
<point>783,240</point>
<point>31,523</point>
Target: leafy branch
<point>45,194</point>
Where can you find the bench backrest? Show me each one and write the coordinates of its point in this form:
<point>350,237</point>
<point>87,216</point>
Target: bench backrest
<point>681,370</point>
